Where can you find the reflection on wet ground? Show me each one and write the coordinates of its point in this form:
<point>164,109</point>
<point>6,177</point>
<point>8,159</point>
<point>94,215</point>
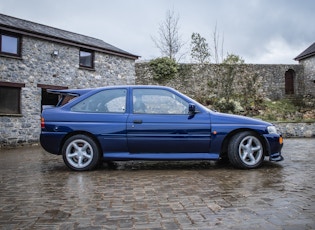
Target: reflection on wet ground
<point>39,192</point>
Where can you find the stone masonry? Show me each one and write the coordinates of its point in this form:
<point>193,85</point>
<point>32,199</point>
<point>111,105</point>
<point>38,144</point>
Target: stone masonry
<point>197,80</point>
<point>38,66</point>
<point>309,73</point>
<point>37,69</point>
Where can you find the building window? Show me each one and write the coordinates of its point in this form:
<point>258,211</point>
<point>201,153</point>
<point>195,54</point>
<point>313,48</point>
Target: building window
<point>10,44</point>
<point>86,58</point>
<point>10,98</point>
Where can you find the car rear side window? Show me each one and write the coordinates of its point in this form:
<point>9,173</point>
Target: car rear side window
<point>107,101</point>
<point>66,99</point>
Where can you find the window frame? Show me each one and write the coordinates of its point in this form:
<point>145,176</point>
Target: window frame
<point>19,87</point>
<point>98,103</point>
<point>91,66</point>
<point>19,44</point>
<point>141,104</point>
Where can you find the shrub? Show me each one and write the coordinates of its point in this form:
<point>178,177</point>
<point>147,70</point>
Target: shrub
<point>163,69</point>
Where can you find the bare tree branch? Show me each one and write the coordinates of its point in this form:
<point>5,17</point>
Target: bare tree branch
<point>218,52</point>
<point>169,41</point>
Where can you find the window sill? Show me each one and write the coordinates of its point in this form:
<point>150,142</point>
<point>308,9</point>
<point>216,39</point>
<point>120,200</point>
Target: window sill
<point>11,56</point>
<point>10,115</point>
<point>86,68</point>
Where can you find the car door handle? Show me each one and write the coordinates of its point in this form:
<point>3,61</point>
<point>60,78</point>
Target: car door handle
<point>137,121</point>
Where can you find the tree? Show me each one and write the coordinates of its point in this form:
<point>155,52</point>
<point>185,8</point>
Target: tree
<point>233,59</point>
<point>199,49</point>
<point>218,52</point>
<point>169,41</point>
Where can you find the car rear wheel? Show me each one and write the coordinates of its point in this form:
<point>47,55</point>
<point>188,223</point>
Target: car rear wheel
<point>81,153</point>
<point>246,151</point>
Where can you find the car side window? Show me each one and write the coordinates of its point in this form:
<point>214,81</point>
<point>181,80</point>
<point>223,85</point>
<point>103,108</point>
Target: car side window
<point>158,101</point>
<point>107,101</point>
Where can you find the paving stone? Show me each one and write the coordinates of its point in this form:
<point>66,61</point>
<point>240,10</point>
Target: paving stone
<point>37,191</point>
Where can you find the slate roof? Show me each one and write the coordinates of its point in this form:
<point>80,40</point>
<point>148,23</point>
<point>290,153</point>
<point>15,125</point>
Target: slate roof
<point>50,33</point>
<point>309,52</point>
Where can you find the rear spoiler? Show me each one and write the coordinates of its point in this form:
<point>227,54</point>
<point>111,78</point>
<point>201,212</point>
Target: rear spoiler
<point>66,93</point>
<point>70,92</point>
<point>48,107</point>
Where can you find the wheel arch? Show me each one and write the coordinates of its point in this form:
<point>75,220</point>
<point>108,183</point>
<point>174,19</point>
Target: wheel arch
<point>82,133</point>
<point>228,137</point>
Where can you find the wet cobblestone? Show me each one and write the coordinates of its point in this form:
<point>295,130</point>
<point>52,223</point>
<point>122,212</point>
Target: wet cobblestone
<point>37,191</point>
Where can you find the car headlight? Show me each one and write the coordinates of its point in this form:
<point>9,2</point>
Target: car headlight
<point>272,129</point>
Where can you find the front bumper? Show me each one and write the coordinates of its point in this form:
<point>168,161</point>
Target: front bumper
<point>276,157</point>
<point>275,144</point>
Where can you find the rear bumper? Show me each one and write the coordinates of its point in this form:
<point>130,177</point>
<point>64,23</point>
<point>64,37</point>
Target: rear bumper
<point>51,142</point>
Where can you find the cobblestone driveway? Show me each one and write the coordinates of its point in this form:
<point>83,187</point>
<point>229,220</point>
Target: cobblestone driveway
<point>38,192</point>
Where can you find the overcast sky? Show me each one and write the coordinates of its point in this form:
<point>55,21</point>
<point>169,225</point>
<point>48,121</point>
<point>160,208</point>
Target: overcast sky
<point>259,31</point>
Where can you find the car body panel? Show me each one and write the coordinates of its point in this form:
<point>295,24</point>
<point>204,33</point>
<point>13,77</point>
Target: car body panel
<point>122,156</point>
<point>129,135</point>
<point>109,129</point>
<point>168,133</point>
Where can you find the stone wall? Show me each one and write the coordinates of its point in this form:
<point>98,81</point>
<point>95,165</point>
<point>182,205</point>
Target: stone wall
<point>198,80</point>
<point>296,129</point>
<point>38,66</point>
<point>309,65</point>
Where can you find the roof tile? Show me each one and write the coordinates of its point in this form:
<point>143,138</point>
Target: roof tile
<point>309,52</point>
<point>49,31</point>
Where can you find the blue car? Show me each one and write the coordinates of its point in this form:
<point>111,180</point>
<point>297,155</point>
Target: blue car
<point>117,123</point>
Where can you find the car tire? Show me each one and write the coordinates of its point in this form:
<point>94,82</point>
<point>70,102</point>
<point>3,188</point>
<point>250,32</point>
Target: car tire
<point>81,153</point>
<point>246,151</point>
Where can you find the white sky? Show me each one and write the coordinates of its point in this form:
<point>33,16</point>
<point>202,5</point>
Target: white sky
<point>259,31</point>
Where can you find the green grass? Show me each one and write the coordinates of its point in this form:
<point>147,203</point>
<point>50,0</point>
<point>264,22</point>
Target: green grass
<point>282,111</point>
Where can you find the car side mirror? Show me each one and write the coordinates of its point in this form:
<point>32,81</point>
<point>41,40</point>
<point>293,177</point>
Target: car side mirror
<point>191,110</point>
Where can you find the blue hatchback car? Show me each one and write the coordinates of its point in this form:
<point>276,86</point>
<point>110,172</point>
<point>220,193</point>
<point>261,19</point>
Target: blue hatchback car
<point>150,123</point>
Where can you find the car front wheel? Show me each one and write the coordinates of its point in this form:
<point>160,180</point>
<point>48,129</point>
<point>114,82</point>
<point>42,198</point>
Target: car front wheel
<point>246,151</point>
<point>80,153</point>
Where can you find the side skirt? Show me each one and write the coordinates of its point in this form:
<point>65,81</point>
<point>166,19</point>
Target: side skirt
<point>123,156</point>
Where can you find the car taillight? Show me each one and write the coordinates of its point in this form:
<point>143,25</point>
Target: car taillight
<point>42,123</point>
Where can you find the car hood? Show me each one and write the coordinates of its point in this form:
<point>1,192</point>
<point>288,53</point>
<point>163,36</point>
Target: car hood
<point>224,118</point>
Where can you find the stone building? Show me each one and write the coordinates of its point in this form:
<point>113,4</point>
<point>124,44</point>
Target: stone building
<point>307,59</point>
<point>35,57</point>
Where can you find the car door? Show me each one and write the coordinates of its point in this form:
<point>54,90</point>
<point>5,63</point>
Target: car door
<point>159,122</point>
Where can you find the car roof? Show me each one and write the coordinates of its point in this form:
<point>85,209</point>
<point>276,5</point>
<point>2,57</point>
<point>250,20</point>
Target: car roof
<point>79,92</point>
